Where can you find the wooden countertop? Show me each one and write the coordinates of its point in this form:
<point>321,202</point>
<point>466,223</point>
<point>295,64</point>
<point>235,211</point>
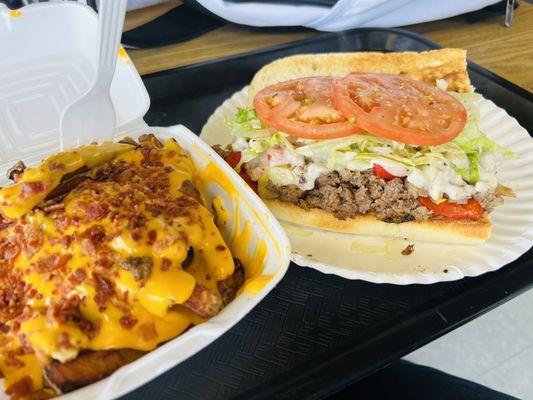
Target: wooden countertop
<point>507,52</point>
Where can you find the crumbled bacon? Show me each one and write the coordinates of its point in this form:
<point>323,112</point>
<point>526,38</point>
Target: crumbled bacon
<point>57,166</point>
<point>165,264</point>
<point>92,238</point>
<point>136,235</point>
<point>152,237</point>
<point>5,222</point>
<point>137,221</point>
<point>10,251</point>
<point>26,345</point>
<point>104,290</point>
<point>51,263</point>
<point>4,328</point>
<point>184,237</point>
<point>12,294</point>
<point>64,341</point>
<point>29,189</point>
<point>128,322</point>
<point>67,241</point>
<point>77,276</point>
<point>97,211</point>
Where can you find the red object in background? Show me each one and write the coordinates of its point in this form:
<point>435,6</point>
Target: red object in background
<point>233,159</point>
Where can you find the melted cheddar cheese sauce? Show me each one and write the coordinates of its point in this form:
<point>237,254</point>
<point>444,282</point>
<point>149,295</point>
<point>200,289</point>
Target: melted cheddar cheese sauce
<point>240,232</point>
<point>114,263</point>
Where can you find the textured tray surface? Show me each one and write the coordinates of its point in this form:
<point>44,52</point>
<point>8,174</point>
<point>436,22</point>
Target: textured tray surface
<point>315,333</point>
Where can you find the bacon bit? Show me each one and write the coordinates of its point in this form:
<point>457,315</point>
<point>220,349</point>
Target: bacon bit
<point>220,248</point>
<point>64,341</point>
<point>26,345</point>
<point>96,234</point>
<point>207,277</point>
<point>13,360</point>
<point>10,252</point>
<point>4,328</point>
<point>67,241</point>
<point>32,293</point>
<point>137,221</point>
<point>54,241</point>
<point>29,189</point>
<point>32,239</point>
<point>136,235</point>
<point>152,237</point>
<point>165,264</point>
<point>4,222</point>
<point>155,210</point>
<point>184,237</point>
<point>150,140</point>
<point>104,290</point>
<point>21,388</point>
<point>77,276</point>
<point>104,262</point>
<point>92,238</point>
<point>147,331</point>
<point>97,211</point>
<point>52,262</point>
<point>128,322</point>
<point>57,166</point>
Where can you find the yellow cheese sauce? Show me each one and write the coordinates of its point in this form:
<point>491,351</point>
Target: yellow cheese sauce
<point>241,234</point>
<point>100,248</point>
<point>36,183</point>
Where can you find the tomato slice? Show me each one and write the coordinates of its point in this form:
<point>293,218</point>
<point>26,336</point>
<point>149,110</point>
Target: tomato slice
<point>233,158</point>
<point>471,210</point>
<point>381,172</point>
<point>400,108</point>
<point>304,108</point>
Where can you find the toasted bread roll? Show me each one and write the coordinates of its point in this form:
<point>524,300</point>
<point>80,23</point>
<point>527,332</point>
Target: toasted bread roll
<point>444,230</point>
<point>448,65</point>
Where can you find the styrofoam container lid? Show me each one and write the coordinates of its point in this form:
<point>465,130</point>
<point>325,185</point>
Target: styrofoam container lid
<point>48,60</point>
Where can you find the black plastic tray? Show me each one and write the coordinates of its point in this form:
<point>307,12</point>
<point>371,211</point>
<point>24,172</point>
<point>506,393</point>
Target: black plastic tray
<point>315,334</point>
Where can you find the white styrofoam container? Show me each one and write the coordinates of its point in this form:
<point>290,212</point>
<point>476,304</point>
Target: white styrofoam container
<point>47,61</point>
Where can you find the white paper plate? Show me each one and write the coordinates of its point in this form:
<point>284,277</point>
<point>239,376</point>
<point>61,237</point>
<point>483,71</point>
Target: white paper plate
<point>379,259</point>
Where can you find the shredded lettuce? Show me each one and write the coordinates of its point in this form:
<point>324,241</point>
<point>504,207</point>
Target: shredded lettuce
<point>358,152</point>
<point>245,124</point>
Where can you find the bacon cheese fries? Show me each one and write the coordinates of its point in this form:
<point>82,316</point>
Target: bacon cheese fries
<point>370,143</point>
<point>106,251</point>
